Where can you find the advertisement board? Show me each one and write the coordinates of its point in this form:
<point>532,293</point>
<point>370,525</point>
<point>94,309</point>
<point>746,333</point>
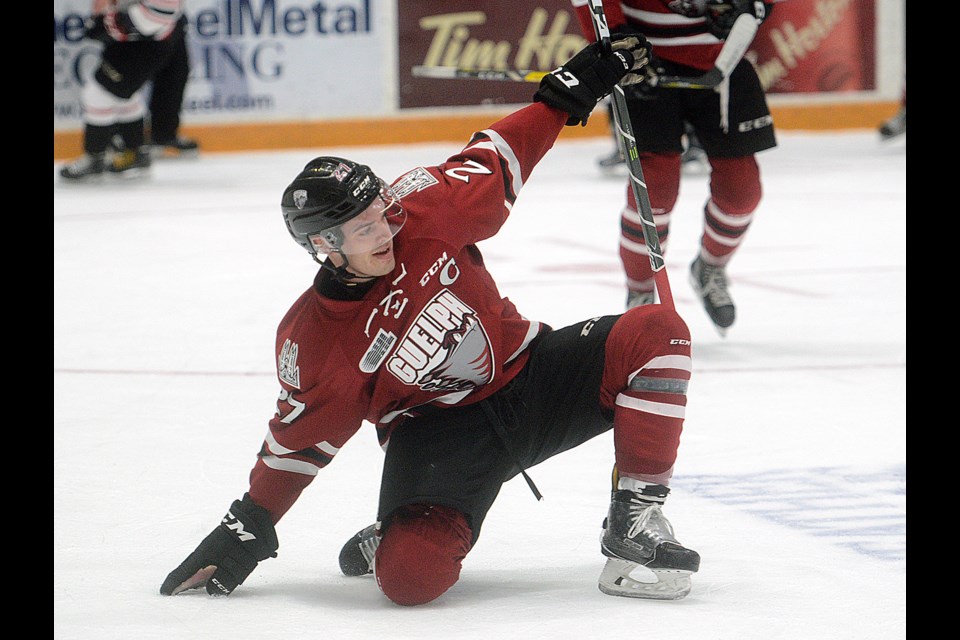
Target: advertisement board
<point>274,73</point>
<point>538,36</point>
<point>817,46</point>
<point>256,60</point>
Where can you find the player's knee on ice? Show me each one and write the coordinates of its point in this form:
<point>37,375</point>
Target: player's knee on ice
<point>421,552</point>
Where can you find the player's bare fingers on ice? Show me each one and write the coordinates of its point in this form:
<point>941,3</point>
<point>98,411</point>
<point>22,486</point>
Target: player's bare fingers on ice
<point>196,581</point>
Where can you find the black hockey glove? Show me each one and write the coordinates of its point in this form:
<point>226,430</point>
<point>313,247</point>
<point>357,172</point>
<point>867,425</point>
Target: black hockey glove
<point>721,14</point>
<point>648,89</point>
<point>229,554</point>
<point>589,76</point>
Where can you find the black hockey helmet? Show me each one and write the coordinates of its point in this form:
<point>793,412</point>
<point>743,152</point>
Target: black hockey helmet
<point>327,193</point>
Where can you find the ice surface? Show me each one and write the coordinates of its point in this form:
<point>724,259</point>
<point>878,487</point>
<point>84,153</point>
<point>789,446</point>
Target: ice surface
<point>791,481</point>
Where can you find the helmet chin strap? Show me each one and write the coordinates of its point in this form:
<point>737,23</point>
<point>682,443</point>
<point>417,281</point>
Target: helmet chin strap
<point>341,273</point>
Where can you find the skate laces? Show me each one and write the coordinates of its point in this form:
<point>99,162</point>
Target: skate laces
<point>368,544</point>
<point>648,520</point>
<point>713,285</point>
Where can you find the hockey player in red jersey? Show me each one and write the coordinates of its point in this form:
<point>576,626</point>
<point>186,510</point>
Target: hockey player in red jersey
<point>404,327</point>
<point>732,124</point>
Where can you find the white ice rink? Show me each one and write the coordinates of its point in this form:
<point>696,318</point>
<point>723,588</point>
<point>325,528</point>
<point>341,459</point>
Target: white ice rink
<point>791,480</point>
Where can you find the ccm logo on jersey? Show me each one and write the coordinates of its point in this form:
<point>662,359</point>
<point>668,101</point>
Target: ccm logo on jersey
<point>448,275</point>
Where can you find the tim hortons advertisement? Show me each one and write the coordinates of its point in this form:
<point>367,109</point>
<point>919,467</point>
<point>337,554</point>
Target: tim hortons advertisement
<point>817,46</point>
<point>806,46</point>
<point>502,35</point>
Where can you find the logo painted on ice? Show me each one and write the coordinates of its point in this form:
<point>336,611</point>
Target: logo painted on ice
<point>445,349</point>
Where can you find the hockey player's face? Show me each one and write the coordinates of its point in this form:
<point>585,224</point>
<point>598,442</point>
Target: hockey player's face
<point>368,238</point>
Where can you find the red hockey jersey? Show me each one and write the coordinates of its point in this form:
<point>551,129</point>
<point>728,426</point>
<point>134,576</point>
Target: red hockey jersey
<point>435,331</point>
<point>672,36</point>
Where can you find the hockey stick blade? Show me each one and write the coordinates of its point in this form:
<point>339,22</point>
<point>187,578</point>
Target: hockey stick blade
<point>457,73</point>
<point>741,36</point>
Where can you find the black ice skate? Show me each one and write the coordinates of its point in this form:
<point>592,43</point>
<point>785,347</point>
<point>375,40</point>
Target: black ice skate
<point>129,163</point>
<point>710,283</point>
<point>694,160</point>
<point>614,164</point>
<point>644,558</point>
<point>895,126</point>
<point>88,167</point>
<point>356,556</point>
<point>639,298</point>
<point>179,147</point>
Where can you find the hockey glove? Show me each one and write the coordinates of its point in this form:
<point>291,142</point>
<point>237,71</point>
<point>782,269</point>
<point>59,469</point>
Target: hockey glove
<point>721,14</point>
<point>229,554</point>
<point>589,76</point>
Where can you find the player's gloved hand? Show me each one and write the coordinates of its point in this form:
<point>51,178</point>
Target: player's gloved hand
<point>229,554</point>
<point>648,89</point>
<point>721,14</point>
<point>589,76</point>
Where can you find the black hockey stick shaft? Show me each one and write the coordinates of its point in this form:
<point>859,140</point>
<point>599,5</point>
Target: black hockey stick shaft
<point>741,36</point>
<point>735,45</point>
<point>628,145</point>
<point>461,73</point>
<point>707,81</point>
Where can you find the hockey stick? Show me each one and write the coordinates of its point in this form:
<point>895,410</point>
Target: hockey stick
<point>458,73</point>
<point>628,145</point>
<point>741,35</point>
<point>707,81</point>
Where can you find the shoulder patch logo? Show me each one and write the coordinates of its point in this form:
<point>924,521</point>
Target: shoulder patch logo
<point>416,180</point>
<point>287,368</point>
<point>377,351</point>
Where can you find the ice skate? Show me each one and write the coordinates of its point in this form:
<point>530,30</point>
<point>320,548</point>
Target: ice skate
<point>644,558</point>
<point>710,284</point>
<point>129,163</point>
<point>89,167</point>
<point>639,298</point>
<point>693,160</point>
<point>895,126</point>
<point>614,164</point>
<point>356,556</point>
<point>179,147</point>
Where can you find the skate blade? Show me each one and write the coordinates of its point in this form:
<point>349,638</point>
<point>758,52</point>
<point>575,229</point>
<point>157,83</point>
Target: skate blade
<point>131,174</point>
<point>632,580</point>
<point>173,154</point>
<point>96,178</point>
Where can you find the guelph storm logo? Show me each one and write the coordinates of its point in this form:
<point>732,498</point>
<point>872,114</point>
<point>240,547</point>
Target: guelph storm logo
<point>446,348</point>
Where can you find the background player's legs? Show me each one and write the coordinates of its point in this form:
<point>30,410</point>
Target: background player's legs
<point>735,193</point>
<point>662,174</point>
